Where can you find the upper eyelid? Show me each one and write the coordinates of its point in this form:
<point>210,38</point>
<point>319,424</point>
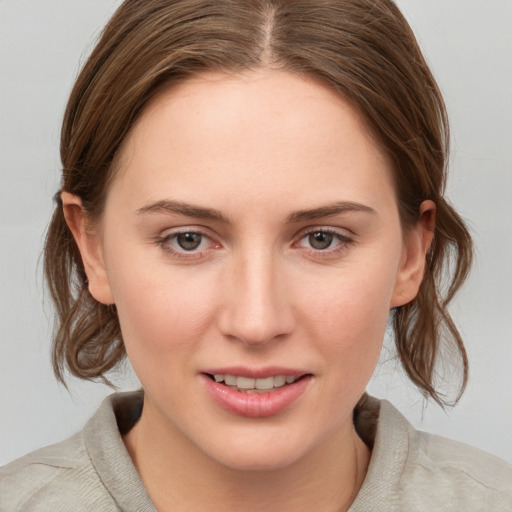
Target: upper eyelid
<point>323,229</point>
<point>343,232</point>
<point>170,232</point>
<point>206,232</point>
<point>187,229</point>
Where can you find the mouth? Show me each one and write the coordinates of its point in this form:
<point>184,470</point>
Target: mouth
<point>256,392</point>
<point>254,385</point>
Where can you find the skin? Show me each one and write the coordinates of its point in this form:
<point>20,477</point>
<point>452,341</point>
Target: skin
<point>256,148</point>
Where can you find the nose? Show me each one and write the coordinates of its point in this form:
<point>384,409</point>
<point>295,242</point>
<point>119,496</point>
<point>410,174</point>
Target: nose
<point>256,308</point>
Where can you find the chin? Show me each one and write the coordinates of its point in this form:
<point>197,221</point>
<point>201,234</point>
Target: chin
<point>256,459</point>
<point>264,448</point>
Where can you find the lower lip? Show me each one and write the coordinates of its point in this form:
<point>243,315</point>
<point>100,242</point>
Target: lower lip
<point>256,405</point>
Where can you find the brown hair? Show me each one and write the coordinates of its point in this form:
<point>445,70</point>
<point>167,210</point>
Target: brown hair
<point>363,49</point>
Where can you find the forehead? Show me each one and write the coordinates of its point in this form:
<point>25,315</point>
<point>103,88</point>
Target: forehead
<point>252,134</point>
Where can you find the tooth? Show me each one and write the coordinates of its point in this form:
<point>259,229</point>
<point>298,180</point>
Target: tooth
<point>267,383</point>
<point>279,380</point>
<point>230,380</point>
<point>245,383</point>
<point>218,377</point>
<point>290,379</point>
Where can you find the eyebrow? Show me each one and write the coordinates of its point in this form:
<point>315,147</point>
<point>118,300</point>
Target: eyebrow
<point>329,210</point>
<point>189,210</point>
<point>180,208</point>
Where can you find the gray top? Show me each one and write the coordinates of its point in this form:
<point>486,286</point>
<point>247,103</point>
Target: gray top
<point>409,470</point>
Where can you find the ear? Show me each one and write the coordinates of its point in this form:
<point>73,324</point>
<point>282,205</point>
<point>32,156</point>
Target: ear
<point>417,242</point>
<point>90,247</point>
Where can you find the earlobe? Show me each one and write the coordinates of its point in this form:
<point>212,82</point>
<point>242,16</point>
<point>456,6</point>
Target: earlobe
<point>89,245</point>
<point>417,242</point>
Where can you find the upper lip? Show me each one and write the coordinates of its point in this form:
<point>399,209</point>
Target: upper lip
<point>255,373</point>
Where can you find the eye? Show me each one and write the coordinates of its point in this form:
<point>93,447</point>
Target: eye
<point>323,240</point>
<point>320,240</point>
<point>188,241</point>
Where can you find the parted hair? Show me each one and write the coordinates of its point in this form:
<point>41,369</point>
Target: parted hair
<point>362,49</point>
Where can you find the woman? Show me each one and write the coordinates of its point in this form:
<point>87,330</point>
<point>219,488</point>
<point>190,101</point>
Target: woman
<point>250,190</point>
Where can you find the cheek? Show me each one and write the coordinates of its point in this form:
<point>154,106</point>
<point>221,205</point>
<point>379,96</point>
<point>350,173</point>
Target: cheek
<point>163,325</point>
<point>162,311</point>
<point>348,313</point>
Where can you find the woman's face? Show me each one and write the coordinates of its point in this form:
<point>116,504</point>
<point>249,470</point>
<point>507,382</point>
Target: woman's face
<point>252,233</point>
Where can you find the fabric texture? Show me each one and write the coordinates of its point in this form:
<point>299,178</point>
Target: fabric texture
<point>409,470</point>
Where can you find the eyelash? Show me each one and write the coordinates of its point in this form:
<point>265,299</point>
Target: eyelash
<point>164,243</point>
<point>344,242</point>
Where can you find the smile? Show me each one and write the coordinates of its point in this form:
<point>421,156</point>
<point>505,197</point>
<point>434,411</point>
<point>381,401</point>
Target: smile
<point>255,396</point>
<point>253,385</point>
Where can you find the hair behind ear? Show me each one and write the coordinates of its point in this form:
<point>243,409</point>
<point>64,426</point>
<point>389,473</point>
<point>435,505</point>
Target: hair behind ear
<point>424,325</point>
<point>82,323</point>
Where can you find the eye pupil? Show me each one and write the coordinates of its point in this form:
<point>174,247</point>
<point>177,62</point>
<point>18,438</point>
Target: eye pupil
<point>320,240</point>
<point>189,241</point>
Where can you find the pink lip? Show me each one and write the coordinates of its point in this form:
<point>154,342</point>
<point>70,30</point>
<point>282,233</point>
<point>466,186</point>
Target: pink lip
<point>255,405</point>
<point>255,373</point>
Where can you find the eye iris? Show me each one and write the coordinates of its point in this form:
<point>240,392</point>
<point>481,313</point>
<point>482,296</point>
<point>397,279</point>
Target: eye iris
<point>189,241</point>
<point>320,240</point>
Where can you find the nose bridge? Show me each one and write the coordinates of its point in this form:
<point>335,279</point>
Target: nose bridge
<point>257,309</point>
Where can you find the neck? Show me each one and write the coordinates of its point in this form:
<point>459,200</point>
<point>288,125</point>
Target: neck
<point>179,476</point>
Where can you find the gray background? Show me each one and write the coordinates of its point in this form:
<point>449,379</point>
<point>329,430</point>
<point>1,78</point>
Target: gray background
<point>42,42</point>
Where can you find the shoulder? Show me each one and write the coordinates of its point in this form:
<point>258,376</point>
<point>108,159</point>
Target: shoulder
<point>90,471</point>
<point>441,474</point>
<point>419,472</point>
<point>58,478</point>
<point>453,473</point>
